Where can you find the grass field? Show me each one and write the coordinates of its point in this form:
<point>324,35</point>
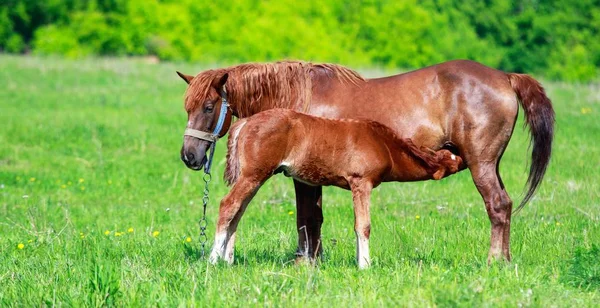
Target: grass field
<point>96,207</point>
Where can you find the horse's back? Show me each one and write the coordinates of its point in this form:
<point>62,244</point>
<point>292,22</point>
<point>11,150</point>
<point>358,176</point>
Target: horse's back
<point>317,150</point>
<point>432,106</point>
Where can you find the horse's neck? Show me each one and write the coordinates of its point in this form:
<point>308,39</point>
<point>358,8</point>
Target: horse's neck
<point>241,110</point>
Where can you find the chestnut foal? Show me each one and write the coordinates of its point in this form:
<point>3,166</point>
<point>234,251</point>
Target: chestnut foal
<point>352,154</point>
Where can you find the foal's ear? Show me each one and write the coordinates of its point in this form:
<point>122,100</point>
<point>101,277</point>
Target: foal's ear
<point>219,83</point>
<point>438,175</point>
<point>186,78</point>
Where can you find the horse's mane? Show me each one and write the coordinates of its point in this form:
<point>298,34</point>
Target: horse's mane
<point>253,87</point>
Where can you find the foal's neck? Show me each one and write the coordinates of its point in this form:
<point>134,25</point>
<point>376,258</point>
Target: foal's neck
<point>410,163</point>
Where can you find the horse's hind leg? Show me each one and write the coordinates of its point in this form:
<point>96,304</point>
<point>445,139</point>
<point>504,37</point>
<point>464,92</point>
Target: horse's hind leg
<point>309,219</point>
<point>498,206</point>
<point>231,210</point>
<point>361,194</point>
<point>489,124</point>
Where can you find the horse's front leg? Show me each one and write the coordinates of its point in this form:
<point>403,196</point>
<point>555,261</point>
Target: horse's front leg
<point>361,195</point>
<point>231,210</point>
<point>308,220</point>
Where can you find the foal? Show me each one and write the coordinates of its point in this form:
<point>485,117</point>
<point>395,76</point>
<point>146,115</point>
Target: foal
<point>352,154</point>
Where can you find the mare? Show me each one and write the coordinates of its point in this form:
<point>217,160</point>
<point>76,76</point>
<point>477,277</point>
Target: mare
<point>351,154</point>
<point>462,106</point>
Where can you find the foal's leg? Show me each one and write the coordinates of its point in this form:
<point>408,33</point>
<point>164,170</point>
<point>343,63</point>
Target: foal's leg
<point>309,219</point>
<point>231,209</point>
<point>228,256</point>
<point>361,195</point>
<point>498,206</point>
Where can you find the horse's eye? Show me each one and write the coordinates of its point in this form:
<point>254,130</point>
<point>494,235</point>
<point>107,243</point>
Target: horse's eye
<point>208,109</point>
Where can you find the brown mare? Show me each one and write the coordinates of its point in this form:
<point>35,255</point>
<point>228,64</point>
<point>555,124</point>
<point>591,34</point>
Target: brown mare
<point>352,154</point>
<point>462,106</point>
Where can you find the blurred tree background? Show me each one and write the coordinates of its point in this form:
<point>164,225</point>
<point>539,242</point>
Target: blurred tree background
<point>558,39</point>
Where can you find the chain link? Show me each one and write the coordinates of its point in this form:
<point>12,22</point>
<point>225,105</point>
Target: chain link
<point>203,223</point>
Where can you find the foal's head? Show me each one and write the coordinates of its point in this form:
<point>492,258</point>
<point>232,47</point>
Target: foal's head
<point>448,164</point>
<point>203,105</point>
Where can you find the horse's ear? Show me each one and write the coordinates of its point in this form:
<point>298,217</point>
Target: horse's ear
<point>219,83</point>
<point>438,175</point>
<point>186,78</point>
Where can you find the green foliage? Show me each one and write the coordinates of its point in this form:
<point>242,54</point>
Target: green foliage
<point>14,44</point>
<point>557,38</point>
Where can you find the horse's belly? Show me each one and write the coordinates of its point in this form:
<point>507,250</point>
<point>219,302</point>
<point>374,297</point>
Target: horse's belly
<point>314,175</point>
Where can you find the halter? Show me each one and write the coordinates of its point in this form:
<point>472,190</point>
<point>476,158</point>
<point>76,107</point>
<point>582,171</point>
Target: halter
<point>214,136</point>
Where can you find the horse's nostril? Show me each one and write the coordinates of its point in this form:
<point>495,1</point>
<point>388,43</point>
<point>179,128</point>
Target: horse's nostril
<point>190,157</point>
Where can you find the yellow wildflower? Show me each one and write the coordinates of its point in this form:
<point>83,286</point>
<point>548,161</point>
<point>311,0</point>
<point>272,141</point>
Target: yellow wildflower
<point>188,239</point>
<point>291,213</point>
<point>586,110</point>
<point>106,232</point>
<point>155,233</point>
<point>31,179</point>
<point>82,236</point>
<point>130,230</point>
<point>63,186</point>
<point>558,223</point>
<point>81,180</point>
<point>417,217</point>
<point>118,233</point>
<point>21,246</point>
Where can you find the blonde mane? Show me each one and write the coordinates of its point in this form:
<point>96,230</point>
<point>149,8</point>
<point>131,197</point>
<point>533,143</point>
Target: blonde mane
<point>254,87</point>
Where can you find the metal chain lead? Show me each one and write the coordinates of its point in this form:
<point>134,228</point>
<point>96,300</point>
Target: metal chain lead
<point>203,223</point>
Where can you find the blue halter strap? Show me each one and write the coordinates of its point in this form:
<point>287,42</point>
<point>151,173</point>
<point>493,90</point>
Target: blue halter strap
<point>217,130</point>
<point>222,114</point>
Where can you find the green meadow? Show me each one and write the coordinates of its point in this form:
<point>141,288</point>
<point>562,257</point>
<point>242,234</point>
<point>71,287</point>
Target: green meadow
<point>96,209</point>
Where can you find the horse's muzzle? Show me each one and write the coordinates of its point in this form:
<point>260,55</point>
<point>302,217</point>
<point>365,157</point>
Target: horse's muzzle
<point>193,162</point>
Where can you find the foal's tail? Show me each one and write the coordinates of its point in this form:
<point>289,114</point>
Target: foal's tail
<point>232,169</point>
<point>539,115</point>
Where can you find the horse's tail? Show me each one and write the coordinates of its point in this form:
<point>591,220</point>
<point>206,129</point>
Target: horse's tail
<point>232,169</point>
<point>539,115</point>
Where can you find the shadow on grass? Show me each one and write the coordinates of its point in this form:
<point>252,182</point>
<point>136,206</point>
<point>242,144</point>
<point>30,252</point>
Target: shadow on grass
<point>193,253</point>
<point>254,256</point>
<point>288,258</point>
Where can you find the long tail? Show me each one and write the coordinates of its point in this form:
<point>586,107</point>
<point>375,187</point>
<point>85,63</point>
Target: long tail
<point>539,115</point>
<point>232,168</point>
